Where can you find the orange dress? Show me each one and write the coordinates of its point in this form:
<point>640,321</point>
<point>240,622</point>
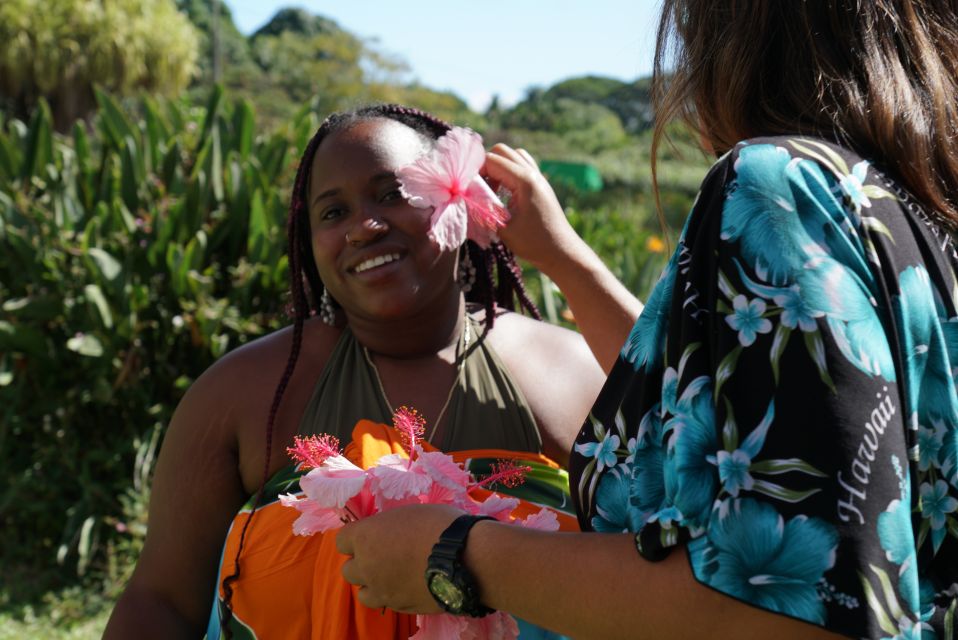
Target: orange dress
<point>291,586</point>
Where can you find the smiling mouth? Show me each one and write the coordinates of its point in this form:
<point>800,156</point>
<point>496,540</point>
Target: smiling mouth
<point>378,261</point>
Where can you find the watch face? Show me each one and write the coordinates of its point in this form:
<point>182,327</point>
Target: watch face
<point>446,592</point>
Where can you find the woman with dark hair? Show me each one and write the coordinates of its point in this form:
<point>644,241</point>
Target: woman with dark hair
<point>775,452</point>
<point>382,317</point>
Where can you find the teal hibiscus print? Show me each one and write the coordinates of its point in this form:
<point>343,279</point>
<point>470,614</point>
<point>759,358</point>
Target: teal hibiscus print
<point>897,538</point>
<point>643,348</point>
<point>930,444</point>
<point>851,315</point>
<point>603,451</point>
<point>936,504</point>
<point>852,187</point>
<point>750,552</point>
<point>761,212</point>
<point>932,386</point>
<point>748,319</point>
<point>692,443</point>
<point>615,512</point>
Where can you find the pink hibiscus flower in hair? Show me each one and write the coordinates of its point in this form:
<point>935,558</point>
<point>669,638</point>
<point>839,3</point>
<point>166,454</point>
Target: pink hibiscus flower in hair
<point>447,179</point>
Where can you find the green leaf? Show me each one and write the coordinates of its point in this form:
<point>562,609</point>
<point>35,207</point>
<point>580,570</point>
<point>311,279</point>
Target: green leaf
<point>85,547</point>
<point>950,621</point>
<point>212,112</point>
<point>780,492</point>
<point>876,225</point>
<point>35,308</point>
<point>726,368</point>
<point>9,159</point>
<point>730,430</point>
<point>216,165</point>
<point>170,163</point>
<point>243,128</point>
<point>257,243</point>
<point>108,265</point>
<point>876,606</point>
<point>95,295</point>
<point>828,157</point>
<point>782,334</point>
<point>816,349</point>
<point>22,337</point>
<point>891,599</point>
<point>39,145</point>
<point>874,192</point>
<point>129,180</point>
<point>6,376</point>
<point>115,124</point>
<point>776,467</point>
<point>689,350</point>
<point>86,345</point>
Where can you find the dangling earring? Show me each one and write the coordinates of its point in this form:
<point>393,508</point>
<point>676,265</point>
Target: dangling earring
<point>467,272</point>
<point>326,311</point>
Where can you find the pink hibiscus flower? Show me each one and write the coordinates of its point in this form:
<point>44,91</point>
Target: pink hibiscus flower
<point>448,180</point>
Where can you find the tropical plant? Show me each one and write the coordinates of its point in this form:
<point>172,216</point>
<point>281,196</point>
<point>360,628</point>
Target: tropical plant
<point>58,52</point>
<point>133,253</point>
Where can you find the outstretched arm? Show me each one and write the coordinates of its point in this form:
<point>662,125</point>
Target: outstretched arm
<point>539,232</point>
<point>585,585</point>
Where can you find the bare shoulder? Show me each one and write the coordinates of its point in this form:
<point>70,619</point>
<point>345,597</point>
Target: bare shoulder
<point>239,390</point>
<point>555,370</point>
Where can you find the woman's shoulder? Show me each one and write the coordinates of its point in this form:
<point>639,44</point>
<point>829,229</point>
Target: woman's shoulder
<point>531,339</point>
<point>247,376</point>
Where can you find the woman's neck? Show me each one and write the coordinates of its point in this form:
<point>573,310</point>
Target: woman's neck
<point>434,331</point>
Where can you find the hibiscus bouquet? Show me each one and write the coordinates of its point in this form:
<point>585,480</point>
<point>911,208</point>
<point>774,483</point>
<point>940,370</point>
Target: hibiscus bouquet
<point>447,179</point>
<point>336,491</point>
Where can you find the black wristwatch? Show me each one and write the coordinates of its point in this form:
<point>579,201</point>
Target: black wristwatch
<point>449,582</point>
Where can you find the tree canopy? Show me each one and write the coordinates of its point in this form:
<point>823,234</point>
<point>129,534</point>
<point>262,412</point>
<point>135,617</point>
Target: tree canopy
<point>58,52</point>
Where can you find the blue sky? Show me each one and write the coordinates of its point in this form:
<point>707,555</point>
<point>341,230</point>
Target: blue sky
<point>478,49</point>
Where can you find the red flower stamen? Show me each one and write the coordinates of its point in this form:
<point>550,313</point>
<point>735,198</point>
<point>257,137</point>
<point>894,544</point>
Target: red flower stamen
<point>411,426</point>
<point>313,451</point>
<point>507,473</point>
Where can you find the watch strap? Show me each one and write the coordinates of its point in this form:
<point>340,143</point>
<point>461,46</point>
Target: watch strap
<point>446,556</point>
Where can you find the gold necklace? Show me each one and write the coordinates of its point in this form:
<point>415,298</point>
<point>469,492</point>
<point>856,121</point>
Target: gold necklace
<point>462,346</point>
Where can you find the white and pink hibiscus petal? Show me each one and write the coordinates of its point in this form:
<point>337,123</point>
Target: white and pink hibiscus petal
<point>449,224</point>
<point>495,626</point>
<point>544,520</point>
<point>439,626</point>
<point>397,484</point>
<point>498,507</point>
<point>460,153</point>
<point>444,470</point>
<point>331,488</point>
<point>393,461</point>
<point>313,518</point>
<point>424,183</point>
<point>484,205</point>
<point>363,504</point>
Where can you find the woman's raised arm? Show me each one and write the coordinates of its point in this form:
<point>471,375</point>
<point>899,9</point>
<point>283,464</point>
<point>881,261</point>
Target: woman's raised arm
<point>604,309</point>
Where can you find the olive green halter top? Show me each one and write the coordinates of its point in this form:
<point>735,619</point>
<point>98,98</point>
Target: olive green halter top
<point>486,409</point>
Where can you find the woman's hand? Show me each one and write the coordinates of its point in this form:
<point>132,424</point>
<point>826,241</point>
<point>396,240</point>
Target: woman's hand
<point>538,231</point>
<point>389,553</point>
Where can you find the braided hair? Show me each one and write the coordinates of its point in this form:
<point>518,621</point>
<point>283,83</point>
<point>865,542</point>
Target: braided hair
<point>498,282</point>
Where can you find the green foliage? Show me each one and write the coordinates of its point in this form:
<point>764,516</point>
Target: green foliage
<point>60,51</point>
<point>134,254</point>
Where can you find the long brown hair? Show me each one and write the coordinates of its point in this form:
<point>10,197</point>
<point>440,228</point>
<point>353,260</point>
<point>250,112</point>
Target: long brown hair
<point>880,76</point>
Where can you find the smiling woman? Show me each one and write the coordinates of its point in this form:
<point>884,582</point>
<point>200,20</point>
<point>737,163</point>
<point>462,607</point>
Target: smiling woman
<point>383,316</point>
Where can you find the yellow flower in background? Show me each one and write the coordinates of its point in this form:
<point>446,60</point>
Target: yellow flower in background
<point>654,244</point>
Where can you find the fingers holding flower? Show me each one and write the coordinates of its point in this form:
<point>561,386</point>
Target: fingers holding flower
<point>538,230</point>
<point>389,553</point>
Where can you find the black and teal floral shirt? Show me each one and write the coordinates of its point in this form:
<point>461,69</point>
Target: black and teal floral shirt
<point>785,406</point>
